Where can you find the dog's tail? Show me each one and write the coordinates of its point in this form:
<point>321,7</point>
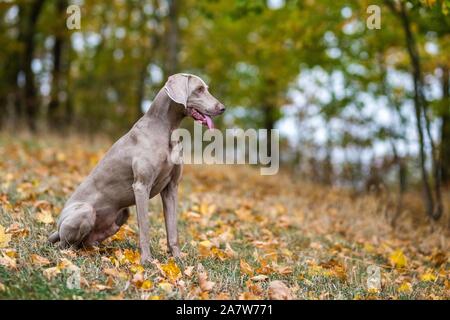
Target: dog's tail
<point>54,237</point>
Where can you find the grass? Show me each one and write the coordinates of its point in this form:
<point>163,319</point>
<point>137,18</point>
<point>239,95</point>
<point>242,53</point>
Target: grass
<point>318,240</point>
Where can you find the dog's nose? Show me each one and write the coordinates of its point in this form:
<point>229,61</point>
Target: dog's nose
<point>220,108</point>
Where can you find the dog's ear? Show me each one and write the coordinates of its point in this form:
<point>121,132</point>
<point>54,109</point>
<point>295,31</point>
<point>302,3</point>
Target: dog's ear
<point>177,88</point>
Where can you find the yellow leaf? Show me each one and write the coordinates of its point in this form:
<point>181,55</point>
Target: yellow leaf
<point>39,261</point>
<point>319,271</point>
<point>146,285</point>
<point>141,283</point>
<point>7,261</point>
<point>131,256</point>
<point>428,277</point>
<point>405,287</point>
<point>45,216</point>
<point>246,268</point>
<point>204,248</point>
<point>165,286</point>
<point>137,268</point>
<point>398,259</point>
<point>171,271</point>
<point>2,287</point>
<point>5,238</point>
<point>124,232</point>
<point>218,253</point>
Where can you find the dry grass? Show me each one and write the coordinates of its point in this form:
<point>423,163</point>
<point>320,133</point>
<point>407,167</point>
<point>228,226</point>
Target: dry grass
<point>319,241</point>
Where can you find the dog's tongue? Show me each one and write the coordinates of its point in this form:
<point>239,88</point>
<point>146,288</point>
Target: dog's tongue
<point>209,122</point>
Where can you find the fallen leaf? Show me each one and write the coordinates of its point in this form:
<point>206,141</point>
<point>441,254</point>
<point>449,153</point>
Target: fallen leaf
<point>113,272</point>
<point>428,277</point>
<point>171,271</point>
<point>246,268</point>
<point>260,277</point>
<point>248,296</point>
<point>101,287</point>
<point>165,286</point>
<point>279,291</point>
<point>188,271</point>
<point>405,287</point>
<point>38,260</point>
<point>7,261</point>
<point>5,238</point>
<point>132,256</point>
<point>204,248</point>
<point>52,272</point>
<point>203,282</point>
<point>398,259</point>
<point>222,296</point>
<point>229,251</point>
<point>45,216</point>
<point>16,230</point>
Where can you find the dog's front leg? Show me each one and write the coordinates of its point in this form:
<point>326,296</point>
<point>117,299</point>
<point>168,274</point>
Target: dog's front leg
<point>141,193</point>
<point>142,184</point>
<point>169,200</point>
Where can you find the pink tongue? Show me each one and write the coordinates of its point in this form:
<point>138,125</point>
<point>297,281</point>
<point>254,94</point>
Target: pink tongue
<point>209,122</point>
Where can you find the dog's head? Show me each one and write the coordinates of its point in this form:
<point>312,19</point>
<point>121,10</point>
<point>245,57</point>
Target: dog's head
<point>192,92</point>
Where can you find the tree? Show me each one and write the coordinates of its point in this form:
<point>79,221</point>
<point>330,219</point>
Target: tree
<point>30,95</point>
<point>59,47</point>
<point>433,198</point>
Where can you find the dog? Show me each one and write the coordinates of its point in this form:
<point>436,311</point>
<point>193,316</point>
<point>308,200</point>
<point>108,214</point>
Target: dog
<point>137,168</point>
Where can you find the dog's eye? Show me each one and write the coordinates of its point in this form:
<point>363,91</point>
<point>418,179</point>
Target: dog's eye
<point>200,89</point>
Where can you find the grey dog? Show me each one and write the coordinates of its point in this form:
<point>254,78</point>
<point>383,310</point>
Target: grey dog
<point>135,169</point>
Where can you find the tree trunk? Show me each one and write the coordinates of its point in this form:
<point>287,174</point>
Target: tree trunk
<point>53,116</point>
<point>433,209</point>
<point>269,124</point>
<point>172,38</point>
<point>445,129</point>
<point>154,44</point>
<point>31,103</point>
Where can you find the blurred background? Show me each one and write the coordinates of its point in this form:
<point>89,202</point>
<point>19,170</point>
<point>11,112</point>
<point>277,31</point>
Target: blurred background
<point>358,107</point>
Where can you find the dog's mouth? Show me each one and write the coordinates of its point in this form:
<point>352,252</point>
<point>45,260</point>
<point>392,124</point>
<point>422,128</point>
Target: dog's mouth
<point>202,118</point>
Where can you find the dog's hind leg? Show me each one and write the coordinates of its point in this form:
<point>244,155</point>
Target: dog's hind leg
<point>98,235</point>
<point>78,221</point>
<point>54,237</point>
<point>122,216</point>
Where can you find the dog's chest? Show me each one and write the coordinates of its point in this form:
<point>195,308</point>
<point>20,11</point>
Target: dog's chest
<point>163,178</point>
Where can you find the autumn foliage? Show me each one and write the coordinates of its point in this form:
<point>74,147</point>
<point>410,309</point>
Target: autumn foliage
<point>243,236</point>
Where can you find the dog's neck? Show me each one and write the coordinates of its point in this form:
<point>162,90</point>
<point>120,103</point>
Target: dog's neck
<point>166,110</point>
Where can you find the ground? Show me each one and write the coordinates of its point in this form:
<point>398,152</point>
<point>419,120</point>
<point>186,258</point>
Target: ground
<point>240,232</point>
